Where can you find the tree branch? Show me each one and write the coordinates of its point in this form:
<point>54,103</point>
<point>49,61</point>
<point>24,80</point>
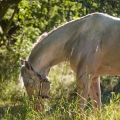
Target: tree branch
<point>9,2</point>
<point>4,5</point>
<point>9,23</point>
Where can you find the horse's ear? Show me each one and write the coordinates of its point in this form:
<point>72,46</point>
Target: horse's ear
<point>22,62</point>
<point>27,65</point>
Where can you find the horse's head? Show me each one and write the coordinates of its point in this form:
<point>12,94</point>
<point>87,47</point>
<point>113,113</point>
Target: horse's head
<point>35,85</point>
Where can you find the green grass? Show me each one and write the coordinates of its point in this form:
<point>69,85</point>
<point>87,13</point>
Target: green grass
<point>62,105</point>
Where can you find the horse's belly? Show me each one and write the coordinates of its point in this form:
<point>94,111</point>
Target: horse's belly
<point>112,68</point>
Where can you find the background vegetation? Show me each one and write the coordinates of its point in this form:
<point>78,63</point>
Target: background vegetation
<point>21,22</point>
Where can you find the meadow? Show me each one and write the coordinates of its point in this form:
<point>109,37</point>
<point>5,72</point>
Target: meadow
<point>62,104</point>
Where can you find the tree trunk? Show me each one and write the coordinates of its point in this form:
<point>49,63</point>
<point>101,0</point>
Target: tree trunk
<point>4,5</point>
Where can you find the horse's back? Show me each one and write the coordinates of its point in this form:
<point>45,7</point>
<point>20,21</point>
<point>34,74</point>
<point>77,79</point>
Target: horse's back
<point>98,45</point>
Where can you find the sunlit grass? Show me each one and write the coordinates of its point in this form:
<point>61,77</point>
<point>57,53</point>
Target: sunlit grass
<point>62,104</point>
<point>63,110</point>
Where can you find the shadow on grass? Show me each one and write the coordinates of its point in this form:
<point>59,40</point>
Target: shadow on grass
<point>110,95</point>
<point>13,112</point>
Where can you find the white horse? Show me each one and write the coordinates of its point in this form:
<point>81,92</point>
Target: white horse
<point>92,46</point>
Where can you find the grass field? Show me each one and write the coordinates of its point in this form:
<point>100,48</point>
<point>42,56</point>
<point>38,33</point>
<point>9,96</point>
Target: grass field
<point>62,105</point>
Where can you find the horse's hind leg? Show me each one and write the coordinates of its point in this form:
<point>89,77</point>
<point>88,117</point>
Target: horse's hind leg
<point>95,92</point>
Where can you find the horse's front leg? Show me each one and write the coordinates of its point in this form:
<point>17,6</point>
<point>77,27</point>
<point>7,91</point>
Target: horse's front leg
<point>95,92</point>
<point>83,84</point>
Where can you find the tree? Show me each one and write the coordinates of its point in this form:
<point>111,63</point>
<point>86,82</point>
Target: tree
<point>4,5</point>
<point>5,25</point>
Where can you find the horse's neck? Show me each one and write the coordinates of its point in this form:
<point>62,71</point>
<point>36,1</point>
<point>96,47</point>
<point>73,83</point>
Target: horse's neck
<point>51,50</point>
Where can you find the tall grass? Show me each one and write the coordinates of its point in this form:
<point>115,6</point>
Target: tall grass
<point>62,105</point>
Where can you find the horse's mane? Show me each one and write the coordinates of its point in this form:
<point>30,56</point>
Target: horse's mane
<point>40,38</point>
<point>44,35</point>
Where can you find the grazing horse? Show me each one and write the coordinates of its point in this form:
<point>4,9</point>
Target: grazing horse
<point>92,46</point>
